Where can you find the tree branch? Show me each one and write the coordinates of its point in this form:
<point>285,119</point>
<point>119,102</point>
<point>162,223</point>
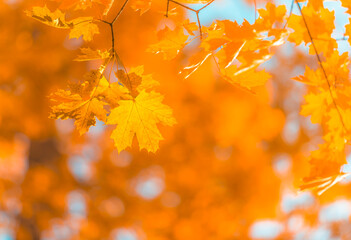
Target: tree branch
<point>120,11</point>
<point>321,65</point>
<point>197,12</point>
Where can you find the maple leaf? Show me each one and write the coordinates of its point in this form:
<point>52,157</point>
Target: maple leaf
<point>321,26</point>
<point>130,81</point>
<point>271,14</point>
<point>325,172</point>
<point>140,117</point>
<point>170,42</point>
<point>190,27</point>
<point>82,26</point>
<point>135,81</point>
<point>85,101</point>
<point>217,34</point>
<point>74,106</point>
<point>311,77</point>
<point>335,134</point>
<point>315,106</point>
<point>112,93</point>
<point>85,27</point>
<point>44,15</point>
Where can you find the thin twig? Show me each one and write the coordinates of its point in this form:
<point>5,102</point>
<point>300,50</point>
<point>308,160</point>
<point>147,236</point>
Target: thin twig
<point>167,8</point>
<point>113,38</point>
<point>120,11</point>
<point>205,5</point>
<point>198,21</point>
<point>217,65</point>
<point>112,23</point>
<point>290,12</point>
<point>255,10</point>
<point>197,12</point>
<point>90,20</point>
<point>321,65</point>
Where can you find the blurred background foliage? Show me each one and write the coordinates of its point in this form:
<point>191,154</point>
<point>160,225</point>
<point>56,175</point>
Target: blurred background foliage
<point>228,170</point>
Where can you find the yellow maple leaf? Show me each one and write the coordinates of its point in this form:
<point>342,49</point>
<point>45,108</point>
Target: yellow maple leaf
<point>311,77</point>
<point>271,14</point>
<point>325,172</point>
<point>135,81</point>
<point>316,105</point>
<point>140,117</point>
<point>73,106</point>
<point>170,42</point>
<point>85,27</point>
<point>320,24</point>
<point>44,15</point>
<point>82,26</point>
<point>90,54</point>
<point>85,101</point>
<point>111,92</point>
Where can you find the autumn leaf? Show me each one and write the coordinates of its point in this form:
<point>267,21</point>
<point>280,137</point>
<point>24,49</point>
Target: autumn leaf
<point>321,26</point>
<point>135,81</point>
<point>311,77</point>
<point>73,106</point>
<point>169,42</point>
<point>112,93</point>
<point>85,27</point>
<point>234,143</point>
<point>272,14</point>
<point>82,26</point>
<point>316,105</point>
<point>84,101</point>
<point>44,15</point>
<point>190,27</point>
<point>140,117</point>
<point>88,54</point>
